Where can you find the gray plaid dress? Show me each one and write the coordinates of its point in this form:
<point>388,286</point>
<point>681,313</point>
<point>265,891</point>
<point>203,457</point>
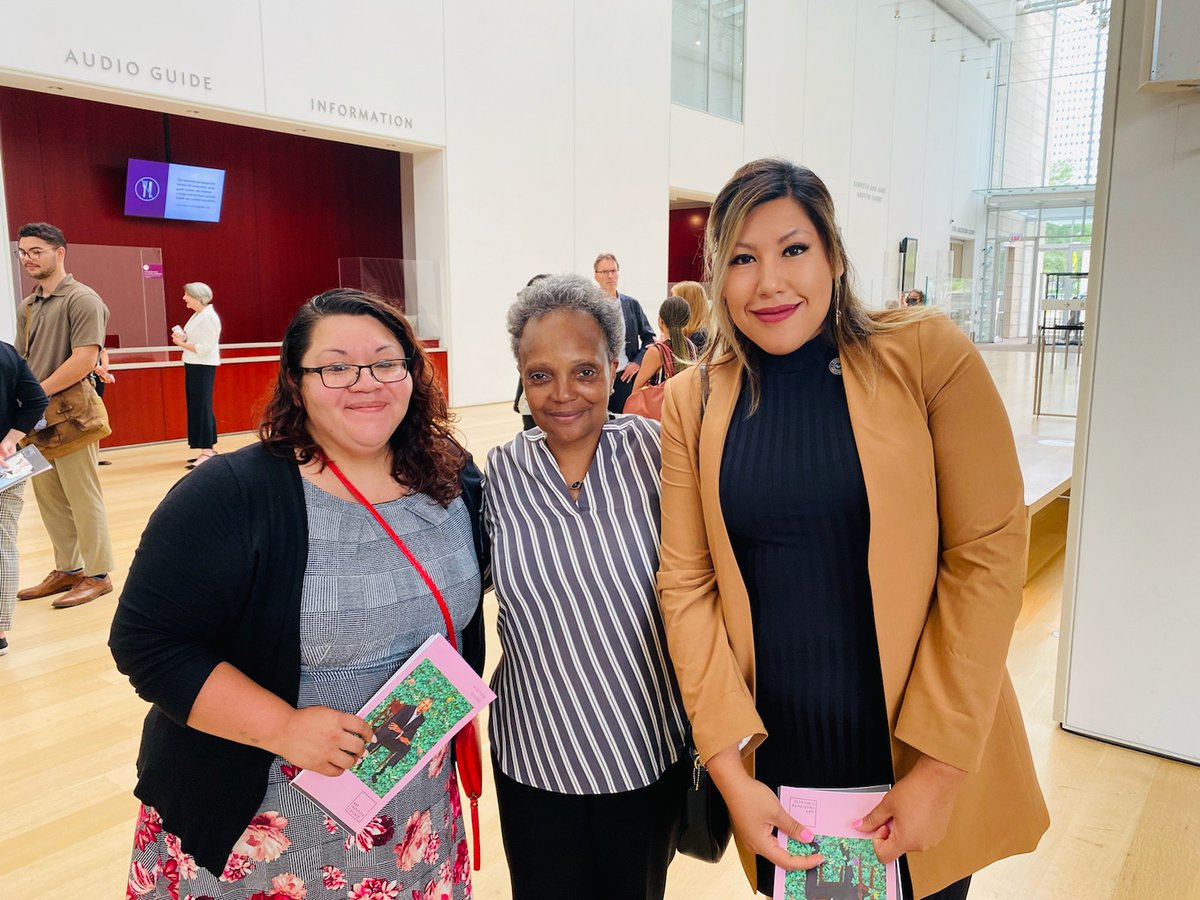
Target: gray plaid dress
<point>364,610</point>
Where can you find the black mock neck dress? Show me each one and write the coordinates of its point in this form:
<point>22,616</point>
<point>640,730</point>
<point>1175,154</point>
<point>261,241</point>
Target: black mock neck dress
<point>795,505</point>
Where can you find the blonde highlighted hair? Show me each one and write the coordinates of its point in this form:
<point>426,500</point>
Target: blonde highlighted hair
<point>697,300</point>
<point>849,325</point>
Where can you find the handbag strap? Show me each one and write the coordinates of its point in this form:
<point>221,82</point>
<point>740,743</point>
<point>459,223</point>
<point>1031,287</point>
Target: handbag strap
<point>473,795</point>
<point>668,359</point>
<point>433,588</point>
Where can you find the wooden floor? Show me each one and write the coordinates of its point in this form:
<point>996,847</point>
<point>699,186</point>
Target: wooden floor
<point>1124,823</point>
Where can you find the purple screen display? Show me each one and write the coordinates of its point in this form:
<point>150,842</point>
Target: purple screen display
<point>173,191</point>
<point>146,188</point>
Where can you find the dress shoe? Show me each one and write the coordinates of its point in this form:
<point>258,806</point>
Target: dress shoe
<point>86,590</point>
<point>54,583</point>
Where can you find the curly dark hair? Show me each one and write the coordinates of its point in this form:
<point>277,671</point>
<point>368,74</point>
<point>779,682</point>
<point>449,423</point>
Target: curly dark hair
<point>426,456</point>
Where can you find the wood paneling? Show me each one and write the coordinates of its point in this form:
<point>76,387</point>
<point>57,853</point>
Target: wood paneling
<point>292,204</point>
<point>685,252</point>
<point>147,405</point>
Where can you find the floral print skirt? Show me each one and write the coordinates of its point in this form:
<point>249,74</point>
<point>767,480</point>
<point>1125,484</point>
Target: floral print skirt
<point>415,849</point>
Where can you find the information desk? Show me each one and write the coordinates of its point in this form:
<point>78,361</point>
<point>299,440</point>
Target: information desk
<point>146,404</point>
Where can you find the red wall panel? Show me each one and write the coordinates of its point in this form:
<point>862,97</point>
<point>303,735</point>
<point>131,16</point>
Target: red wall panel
<point>685,249</point>
<point>292,204</point>
<point>146,405</point>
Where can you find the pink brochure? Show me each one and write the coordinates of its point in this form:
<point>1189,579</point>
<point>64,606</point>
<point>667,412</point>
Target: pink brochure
<point>414,715</point>
<point>851,869</point>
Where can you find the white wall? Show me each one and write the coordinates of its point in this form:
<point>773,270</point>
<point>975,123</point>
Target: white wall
<point>894,123</point>
<point>269,63</point>
<point>543,133</point>
<point>557,124</point>
<point>1129,668</point>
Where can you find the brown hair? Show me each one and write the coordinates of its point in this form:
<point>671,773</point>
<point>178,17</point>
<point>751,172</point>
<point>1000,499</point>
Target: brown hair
<point>697,300</point>
<point>674,314</point>
<point>426,457</point>
<point>849,325</point>
<point>51,234</point>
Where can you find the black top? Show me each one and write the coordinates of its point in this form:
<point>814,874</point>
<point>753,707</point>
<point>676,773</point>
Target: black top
<point>218,576</point>
<point>795,504</point>
<point>22,400</point>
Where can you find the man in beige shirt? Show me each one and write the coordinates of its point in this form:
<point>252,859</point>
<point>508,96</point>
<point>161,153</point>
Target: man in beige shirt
<point>60,332</point>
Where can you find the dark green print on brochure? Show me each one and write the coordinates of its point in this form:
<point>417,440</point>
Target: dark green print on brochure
<point>851,871</point>
<point>407,723</point>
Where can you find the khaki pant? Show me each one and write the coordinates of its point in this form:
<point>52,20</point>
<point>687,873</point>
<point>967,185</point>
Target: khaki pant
<point>72,508</point>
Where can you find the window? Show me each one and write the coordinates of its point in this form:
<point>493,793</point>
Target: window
<point>707,52</point>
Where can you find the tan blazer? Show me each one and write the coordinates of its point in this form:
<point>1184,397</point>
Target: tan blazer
<point>946,565</point>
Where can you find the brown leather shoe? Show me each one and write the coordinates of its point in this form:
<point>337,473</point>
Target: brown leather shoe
<point>86,590</point>
<point>54,583</point>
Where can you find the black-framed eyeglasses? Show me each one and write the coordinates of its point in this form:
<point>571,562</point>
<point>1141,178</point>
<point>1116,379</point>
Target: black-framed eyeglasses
<point>344,375</point>
<point>34,253</point>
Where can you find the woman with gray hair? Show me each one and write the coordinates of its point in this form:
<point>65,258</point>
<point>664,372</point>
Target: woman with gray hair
<point>588,732</point>
<point>201,356</point>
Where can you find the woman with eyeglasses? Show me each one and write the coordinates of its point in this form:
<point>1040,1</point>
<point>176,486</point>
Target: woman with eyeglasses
<point>265,605</point>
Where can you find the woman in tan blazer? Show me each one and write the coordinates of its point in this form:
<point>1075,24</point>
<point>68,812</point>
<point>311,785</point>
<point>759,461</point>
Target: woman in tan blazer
<point>842,552</point>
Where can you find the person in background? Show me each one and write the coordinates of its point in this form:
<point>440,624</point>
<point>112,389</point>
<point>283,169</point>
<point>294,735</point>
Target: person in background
<point>520,404</point>
<point>638,333</point>
<point>673,317</point>
<point>265,604</point>
<point>587,731</point>
<point>22,403</point>
<point>696,329</point>
<point>200,341</point>
<point>60,333</point>
<point>101,377</point>
<point>843,551</point>
<point>914,298</point>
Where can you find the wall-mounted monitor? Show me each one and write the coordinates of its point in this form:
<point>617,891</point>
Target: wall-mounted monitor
<point>169,191</point>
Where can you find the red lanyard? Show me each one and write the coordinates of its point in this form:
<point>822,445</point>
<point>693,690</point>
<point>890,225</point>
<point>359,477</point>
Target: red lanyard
<point>433,588</point>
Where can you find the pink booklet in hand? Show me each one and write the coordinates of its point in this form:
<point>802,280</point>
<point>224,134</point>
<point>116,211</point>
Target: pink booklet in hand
<point>851,870</point>
<point>414,715</point>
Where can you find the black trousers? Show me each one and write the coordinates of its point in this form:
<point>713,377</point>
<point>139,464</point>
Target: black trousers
<point>198,388</point>
<point>609,845</point>
<point>621,392</point>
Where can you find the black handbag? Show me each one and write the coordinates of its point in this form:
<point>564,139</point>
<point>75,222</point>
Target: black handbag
<point>704,831</point>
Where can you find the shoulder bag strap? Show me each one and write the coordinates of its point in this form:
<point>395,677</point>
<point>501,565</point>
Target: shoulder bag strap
<point>668,359</point>
<point>433,588</point>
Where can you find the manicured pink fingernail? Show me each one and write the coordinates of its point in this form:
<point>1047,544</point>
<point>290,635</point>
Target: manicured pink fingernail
<point>857,823</point>
<point>806,835</point>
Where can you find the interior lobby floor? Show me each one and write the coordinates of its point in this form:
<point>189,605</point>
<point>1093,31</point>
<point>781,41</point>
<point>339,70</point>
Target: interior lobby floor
<point>1125,823</point>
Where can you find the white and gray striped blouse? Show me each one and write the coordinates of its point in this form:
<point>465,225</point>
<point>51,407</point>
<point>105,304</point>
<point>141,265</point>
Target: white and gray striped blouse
<point>586,700</point>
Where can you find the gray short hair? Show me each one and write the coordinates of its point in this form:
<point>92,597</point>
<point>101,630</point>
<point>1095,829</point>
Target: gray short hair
<point>567,292</point>
<point>199,290</point>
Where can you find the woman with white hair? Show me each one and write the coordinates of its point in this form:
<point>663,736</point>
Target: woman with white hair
<point>201,356</point>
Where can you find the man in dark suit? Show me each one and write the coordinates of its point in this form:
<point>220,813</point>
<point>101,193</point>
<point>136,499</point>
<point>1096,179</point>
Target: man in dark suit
<point>398,730</point>
<point>638,333</point>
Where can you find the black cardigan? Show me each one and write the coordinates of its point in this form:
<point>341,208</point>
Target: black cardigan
<point>218,577</point>
<point>22,400</point>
